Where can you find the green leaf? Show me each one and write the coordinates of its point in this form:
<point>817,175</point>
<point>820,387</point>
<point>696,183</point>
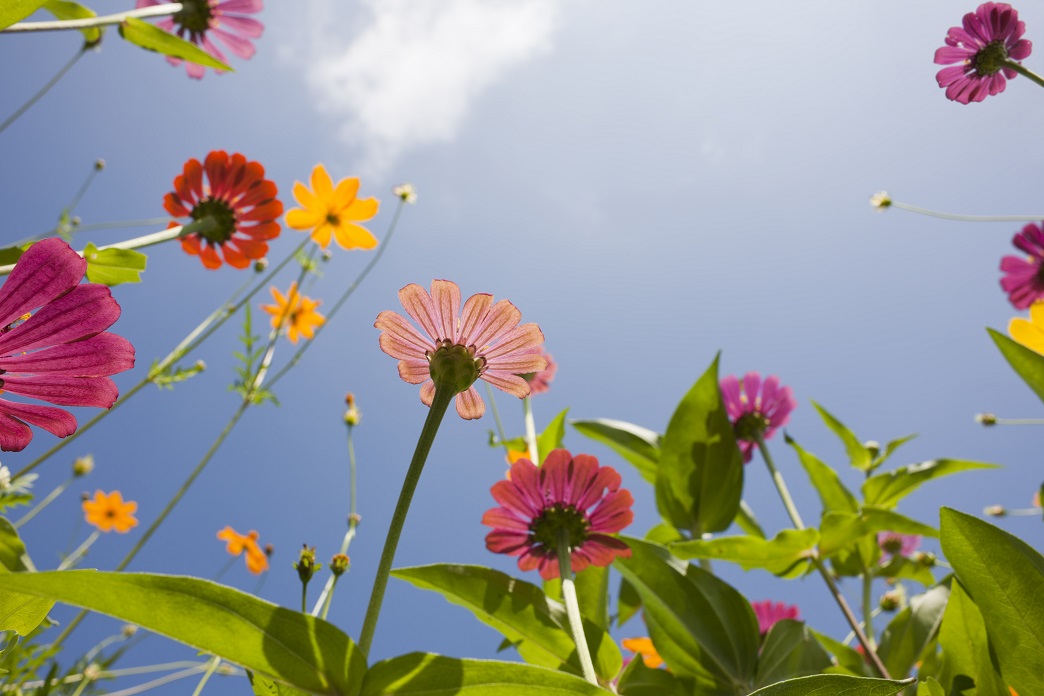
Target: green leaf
<point>890,449</point>
<point>639,680</point>
<point>887,489</point>
<point>152,38</point>
<point>639,446</point>
<point>787,555</point>
<point>113,266</point>
<point>294,648</point>
<point>858,455</point>
<point>906,569</point>
<point>551,438</point>
<point>966,649</point>
<point>263,686</point>
<point>12,11</point>
<point>841,529</point>
<point>834,685</point>
<point>746,521</point>
<point>10,255</point>
<point>421,674</point>
<point>835,497</point>
<point>930,687</point>
<point>13,556</point>
<point>22,613</point>
<point>912,630</point>
<point>71,10</point>
<point>536,625</point>
<point>1028,364</point>
<point>848,659</point>
<point>1005,578</point>
<point>628,602</point>
<point>700,477</point>
<point>790,650</point>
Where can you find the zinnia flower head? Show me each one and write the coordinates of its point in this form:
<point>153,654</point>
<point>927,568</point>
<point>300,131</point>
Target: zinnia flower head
<point>62,353</point>
<point>567,495</point>
<point>236,543</point>
<point>222,18</point>
<point>330,211</point>
<point>238,199</point>
<point>108,512</point>
<point>296,312</point>
<point>770,613</point>
<point>645,648</point>
<point>484,341</point>
<point>989,36</point>
<point>1029,332</point>
<point>894,544</point>
<point>755,408</point>
<point>540,382</point>
<point>1024,276</point>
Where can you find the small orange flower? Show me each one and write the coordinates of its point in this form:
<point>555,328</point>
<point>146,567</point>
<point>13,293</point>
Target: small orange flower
<point>330,211</point>
<point>256,559</point>
<point>108,512</point>
<point>296,311</point>
<point>645,648</point>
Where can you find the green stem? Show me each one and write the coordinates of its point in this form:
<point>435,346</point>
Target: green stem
<point>1019,421</point>
<point>44,503</point>
<point>212,666</point>
<point>531,436</point>
<point>1028,74</point>
<point>43,90</point>
<point>965,218</point>
<point>78,553</point>
<point>77,24</point>
<point>496,414</point>
<point>576,623</point>
<point>439,404</point>
<point>781,485</point>
<point>304,597</point>
<point>326,596</point>
<point>868,616</point>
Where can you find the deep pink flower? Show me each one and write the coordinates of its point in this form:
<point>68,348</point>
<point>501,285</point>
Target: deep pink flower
<point>990,35</point>
<point>570,494</point>
<point>222,18</point>
<point>770,613</point>
<point>1024,279</point>
<point>485,341</point>
<point>62,353</point>
<point>755,408</point>
<point>894,544</point>
<point>540,382</point>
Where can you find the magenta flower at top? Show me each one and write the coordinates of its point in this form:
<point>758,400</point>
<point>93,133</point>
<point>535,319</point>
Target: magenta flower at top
<point>484,341</point>
<point>540,382</point>
<point>894,544</point>
<point>1024,277</point>
<point>770,613</point>
<point>567,495</point>
<point>755,408</point>
<point>62,353</point>
<point>222,18</point>
<point>989,36</point>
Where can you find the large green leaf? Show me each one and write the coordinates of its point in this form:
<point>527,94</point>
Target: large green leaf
<point>12,11</point>
<point>930,687</point>
<point>912,630</point>
<point>786,555</point>
<point>425,674</point>
<point>152,38</point>
<point>1028,364</point>
<point>592,591</point>
<point>835,497</point>
<point>887,489</point>
<point>966,649</point>
<point>536,625</point>
<point>628,602</point>
<point>13,556</point>
<point>834,685</point>
<point>1005,578</point>
<point>841,529</point>
<point>20,613</point>
<point>700,478</point>
<point>551,438</point>
<point>62,9</point>
<point>113,266</point>
<point>858,455</point>
<point>298,649</point>
<point>263,686</point>
<point>639,680</point>
<point>639,446</point>
<point>790,650</point>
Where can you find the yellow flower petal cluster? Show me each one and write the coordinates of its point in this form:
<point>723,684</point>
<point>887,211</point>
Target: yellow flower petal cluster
<point>296,312</point>
<point>330,211</point>
<point>645,648</point>
<point>1029,332</point>
<point>108,512</point>
<point>236,543</point>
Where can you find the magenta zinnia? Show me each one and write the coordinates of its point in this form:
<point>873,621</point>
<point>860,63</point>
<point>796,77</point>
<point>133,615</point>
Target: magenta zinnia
<point>755,408</point>
<point>62,353</point>
<point>198,19</point>
<point>1024,276</point>
<point>567,495</point>
<point>484,341</point>
<point>989,36</point>
<point>770,613</point>
<point>895,544</point>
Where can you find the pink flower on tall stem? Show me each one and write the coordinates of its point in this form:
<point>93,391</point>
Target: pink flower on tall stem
<point>62,353</point>
<point>989,37</point>
<point>1024,279</point>
<point>484,341</point>
<point>540,382</point>
<point>770,613</point>
<point>567,495</point>
<point>755,408</point>
<point>198,19</point>
<point>895,544</point>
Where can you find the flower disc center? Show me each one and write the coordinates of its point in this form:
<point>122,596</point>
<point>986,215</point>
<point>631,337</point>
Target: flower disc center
<point>454,367</point>
<point>750,425</point>
<point>556,518</point>
<point>224,220</point>
<point>991,58</point>
<point>194,15</point>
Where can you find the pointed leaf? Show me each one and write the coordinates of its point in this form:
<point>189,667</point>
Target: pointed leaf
<point>22,613</point>
<point>152,38</point>
<point>13,556</point>
<point>834,685</point>
<point>858,454</point>
<point>1028,364</point>
<point>848,659</point>
<point>890,449</point>
<point>887,489</point>
<point>930,687</point>
<point>912,630</point>
<point>966,649</point>
<point>12,11</point>
<point>113,266</point>
<point>639,446</point>
<point>551,438</point>
<point>790,650</point>
<point>787,555</point>
<point>62,9</point>
<point>833,494</point>
<point>841,529</point>
<point>746,521</point>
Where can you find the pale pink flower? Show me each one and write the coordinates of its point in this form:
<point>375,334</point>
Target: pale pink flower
<point>540,382</point>
<point>895,544</point>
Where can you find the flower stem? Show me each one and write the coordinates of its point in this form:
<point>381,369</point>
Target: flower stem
<point>326,596</point>
<point>80,551</point>
<point>868,610</point>
<point>43,90</point>
<point>1019,421</point>
<point>576,624</point>
<point>212,666</point>
<point>440,402</point>
<point>65,24</point>
<point>44,503</point>
<point>781,485</point>
<point>531,437</point>
<point>966,218</point>
<point>1029,75</point>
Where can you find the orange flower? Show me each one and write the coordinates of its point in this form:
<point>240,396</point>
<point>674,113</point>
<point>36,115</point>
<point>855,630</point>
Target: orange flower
<point>645,648</point>
<point>296,311</point>
<point>108,512</point>
<point>329,211</point>
<point>256,559</point>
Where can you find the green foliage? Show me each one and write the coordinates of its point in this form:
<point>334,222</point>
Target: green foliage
<point>62,9</point>
<point>887,489</point>
<point>152,38</point>
<point>166,379</point>
<point>849,660</point>
<point>834,495</point>
<point>10,255</point>
<point>834,685</point>
<point>1028,364</point>
<point>790,650</point>
<point>930,687</point>
<point>250,359</point>
<point>628,602</point>
<point>787,555</point>
<point>842,529</point>
<point>12,11</point>
<point>263,686</point>
<point>859,455</point>
<point>13,556</point>
<point>551,438</point>
<point>639,680</point>
<point>966,649</point>
<point>21,613</point>
<point>746,521</point>
<point>113,266</point>
<point>592,589</point>
<point>639,446</point>
<point>913,630</point>
<point>17,493</point>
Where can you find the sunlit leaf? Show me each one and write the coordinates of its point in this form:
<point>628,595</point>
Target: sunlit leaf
<point>887,489</point>
<point>858,455</point>
<point>263,686</point>
<point>62,9</point>
<point>786,555</point>
<point>746,521</point>
<point>930,687</point>
<point>639,680</point>
<point>966,649</point>
<point>113,266</point>
<point>1028,364</point>
<point>790,650</point>
<point>12,11</point>
<point>841,529</point>
<point>152,38</point>
<point>628,602</point>
<point>551,438</point>
<point>833,494</point>
<point>912,630</point>
<point>834,685</point>
<point>639,446</point>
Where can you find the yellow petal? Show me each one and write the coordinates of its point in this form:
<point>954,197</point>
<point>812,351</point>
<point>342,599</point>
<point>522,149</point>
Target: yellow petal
<point>321,235</point>
<point>1028,334</point>
<point>306,198</point>
<point>300,219</point>
<point>361,210</point>
<point>322,187</point>
<point>345,194</point>
<point>351,236</point>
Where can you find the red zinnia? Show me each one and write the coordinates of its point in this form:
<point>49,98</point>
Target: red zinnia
<point>239,200</point>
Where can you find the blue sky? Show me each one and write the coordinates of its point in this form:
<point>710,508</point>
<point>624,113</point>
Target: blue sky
<point>650,185</point>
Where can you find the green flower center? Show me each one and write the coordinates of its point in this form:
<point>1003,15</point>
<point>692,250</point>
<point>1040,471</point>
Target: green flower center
<point>224,220</point>
<point>194,16</point>
<point>554,520</point>
<point>750,425</point>
<point>454,367</point>
<point>991,58</point>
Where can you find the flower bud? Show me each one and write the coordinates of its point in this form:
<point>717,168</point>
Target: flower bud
<point>406,193</point>
<point>873,447</point>
<point>269,550</point>
<point>352,416</point>
<point>99,164</point>
<point>891,600</point>
<point>129,630</point>
<point>995,511</point>
<point>986,419</point>
<point>881,200</point>
<point>83,466</point>
<point>261,264</point>
<point>306,565</point>
<point>339,564</point>
<point>354,518</point>
<point>924,559</point>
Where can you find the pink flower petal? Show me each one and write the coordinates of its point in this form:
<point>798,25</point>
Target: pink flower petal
<point>101,355</point>
<point>45,271</point>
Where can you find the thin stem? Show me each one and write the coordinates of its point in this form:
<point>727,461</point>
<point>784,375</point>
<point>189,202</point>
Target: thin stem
<point>439,404</point>
<point>212,666</point>
<point>104,20</point>
<point>112,674</point>
<point>868,610</point>
<point>576,624</point>
<point>781,485</point>
<point>1019,421</point>
<point>1029,75</point>
<point>44,503</point>
<point>43,90</point>
<point>531,437</point>
<point>166,679</point>
<point>80,551</point>
<point>966,218</point>
<point>496,413</point>
<point>326,596</point>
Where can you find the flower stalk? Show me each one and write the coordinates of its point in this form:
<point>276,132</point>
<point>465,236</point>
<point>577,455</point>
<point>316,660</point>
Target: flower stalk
<point>576,625</point>
<point>1028,74</point>
<point>43,90</point>
<point>531,436</point>
<point>104,20</point>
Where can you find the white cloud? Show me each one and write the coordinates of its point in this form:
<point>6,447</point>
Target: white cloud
<point>410,75</point>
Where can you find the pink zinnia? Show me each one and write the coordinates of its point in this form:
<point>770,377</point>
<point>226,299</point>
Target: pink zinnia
<point>570,495</point>
<point>755,408</point>
<point>1024,281</point>
<point>894,544</point>
<point>540,382</point>
<point>989,37</point>
<point>770,613</point>
<point>223,19</point>
<point>485,341</point>
<point>61,354</point>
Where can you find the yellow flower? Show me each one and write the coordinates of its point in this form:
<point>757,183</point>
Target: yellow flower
<point>645,648</point>
<point>256,559</point>
<point>108,512</point>
<point>333,211</point>
<point>1030,332</point>
<point>296,312</point>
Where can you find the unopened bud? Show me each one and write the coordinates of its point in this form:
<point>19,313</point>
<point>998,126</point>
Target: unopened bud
<point>75,220</point>
<point>91,672</point>
<point>890,601</point>
<point>881,200</point>
<point>326,255</point>
<point>85,496</point>
<point>352,416</point>
<point>995,511</point>
<point>129,630</point>
<point>83,466</point>
<point>199,366</point>
<point>925,559</point>
<point>99,164</point>
<point>339,564</point>
<point>986,419</point>
<point>306,565</point>
<point>406,193</point>
<point>873,447</point>
<point>269,550</point>
<point>261,264</point>
<point>354,518</point>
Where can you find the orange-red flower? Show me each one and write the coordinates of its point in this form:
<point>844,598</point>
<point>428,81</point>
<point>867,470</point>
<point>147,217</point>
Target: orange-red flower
<point>296,312</point>
<point>645,648</point>
<point>330,211</point>
<point>108,512</point>
<point>256,558</point>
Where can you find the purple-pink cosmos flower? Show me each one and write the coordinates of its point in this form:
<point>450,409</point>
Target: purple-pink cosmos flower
<point>770,613</point>
<point>1024,276</point>
<point>895,544</point>
<point>484,341</point>
<point>570,495</point>
<point>989,36</point>
<point>540,382</point>
<point>62,353</point>
<point>755,408</point>
<point>222,18</point>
